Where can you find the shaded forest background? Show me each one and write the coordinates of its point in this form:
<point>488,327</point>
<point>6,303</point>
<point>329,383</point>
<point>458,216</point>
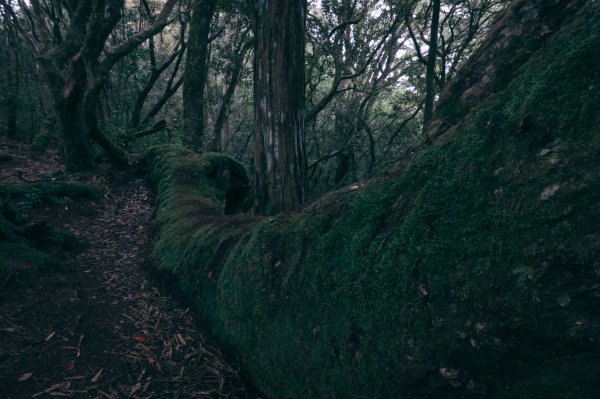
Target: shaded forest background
<point>152,72</point>
<point>447,152</point>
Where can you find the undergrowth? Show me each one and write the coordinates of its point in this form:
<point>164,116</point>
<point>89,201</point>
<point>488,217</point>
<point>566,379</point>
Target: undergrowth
<point>33,250</point>
<point>27,195</point>
<point>28,251</point>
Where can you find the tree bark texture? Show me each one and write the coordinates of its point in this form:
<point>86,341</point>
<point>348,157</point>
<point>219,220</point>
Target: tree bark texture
<point>431,60</point>
<point>68,98</point>
<point>194,78</point>
<point>279,155</point>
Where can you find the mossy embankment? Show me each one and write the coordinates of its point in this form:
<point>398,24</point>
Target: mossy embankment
<point>30,249</point>
<point>473,272</point>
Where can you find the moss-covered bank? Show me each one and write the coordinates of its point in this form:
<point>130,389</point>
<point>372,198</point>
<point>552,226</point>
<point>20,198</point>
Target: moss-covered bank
<point>30,250</point>
<point>43,191</point>
<point>27,250</point>
<point>474,272</point>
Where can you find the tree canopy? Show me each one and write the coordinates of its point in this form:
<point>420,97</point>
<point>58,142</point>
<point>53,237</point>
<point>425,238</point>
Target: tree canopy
<point>124,75</point>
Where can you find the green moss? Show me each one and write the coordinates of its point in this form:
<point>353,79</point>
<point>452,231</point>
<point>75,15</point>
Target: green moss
<point>7,217</point>
<point>472,273</point>
<point>5,157</point>
<point>33,193</point>
<point>20,263</point>
<point>33,251</point>
<point>29,251</point>
<point>190,190</point>
<point>41,142</point>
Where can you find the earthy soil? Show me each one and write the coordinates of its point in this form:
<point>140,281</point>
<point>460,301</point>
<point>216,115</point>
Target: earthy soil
<point>104,330</point>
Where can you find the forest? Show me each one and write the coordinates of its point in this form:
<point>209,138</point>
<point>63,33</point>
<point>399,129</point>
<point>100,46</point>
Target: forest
<point>286,199</point>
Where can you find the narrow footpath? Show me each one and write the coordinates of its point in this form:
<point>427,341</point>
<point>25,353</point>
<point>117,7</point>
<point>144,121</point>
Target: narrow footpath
<point>104,330</point>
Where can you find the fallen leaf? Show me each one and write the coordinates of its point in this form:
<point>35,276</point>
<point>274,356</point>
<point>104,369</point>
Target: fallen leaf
<point>70,365</point>
<point>422,291</point>
<point>79,345</point>
<point>549,192</point>
<point>140,338</point>
<point>51,389</point>
<point>141,375</point>
<point>75,377</point>
<point>134,389</point>
<point>96,377</point>
<point>209,275</point>
<point>448,372</point>
<point>564,300</point>
<point>27,266</point>
<point>180,339</point>
<point>24,377</point>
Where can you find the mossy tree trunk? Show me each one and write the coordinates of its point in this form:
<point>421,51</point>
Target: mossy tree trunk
<point>194,77</point>
<point>68,96</point>
<point>279,154</point>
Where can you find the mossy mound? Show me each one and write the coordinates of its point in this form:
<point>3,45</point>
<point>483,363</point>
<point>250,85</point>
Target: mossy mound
<point>33,250</point>
<point>23,196</point>
<point>194,192</point>
<point>28,251</point>
<point>473,273</point>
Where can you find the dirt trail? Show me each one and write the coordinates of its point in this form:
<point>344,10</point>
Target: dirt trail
<point>103,331</point>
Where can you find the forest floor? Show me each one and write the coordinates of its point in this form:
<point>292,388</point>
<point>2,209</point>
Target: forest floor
<point>103,330</point>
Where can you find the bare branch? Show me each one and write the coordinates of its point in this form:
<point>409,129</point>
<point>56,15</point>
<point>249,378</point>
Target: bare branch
<point>115,53</point>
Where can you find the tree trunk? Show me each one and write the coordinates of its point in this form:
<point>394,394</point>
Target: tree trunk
<point>68,98</point>
<point>89,117</point>
<point>222,127</point>
<point>194,78</point>
<point>77,151</point>
<point>11,96</point>
<point>431,58</point>
<point>279,155</point>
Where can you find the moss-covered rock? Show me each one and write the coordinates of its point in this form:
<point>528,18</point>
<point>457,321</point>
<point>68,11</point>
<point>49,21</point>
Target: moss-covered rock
<point>475,272</point>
